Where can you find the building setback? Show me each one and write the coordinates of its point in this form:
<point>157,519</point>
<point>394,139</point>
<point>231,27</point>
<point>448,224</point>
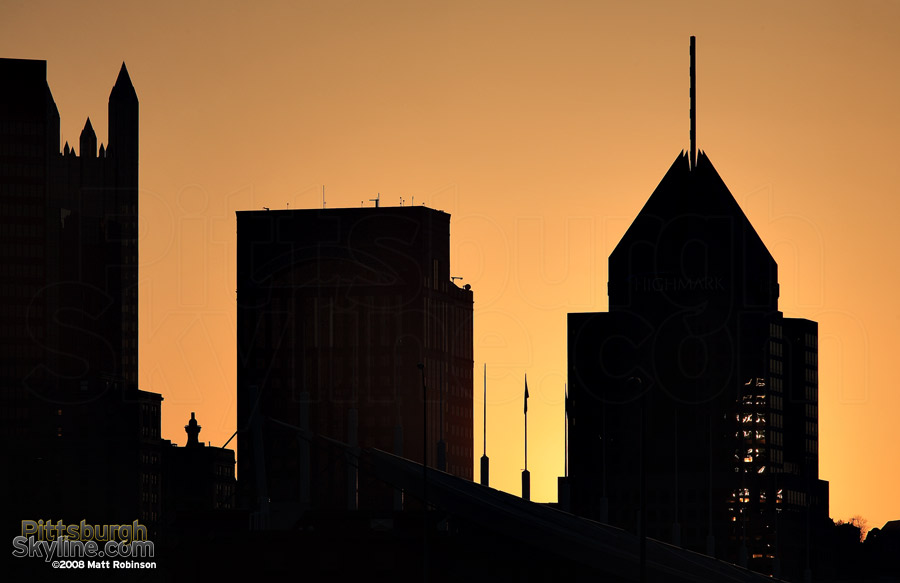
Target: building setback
<point>696,378</point>
<point>336,310</point>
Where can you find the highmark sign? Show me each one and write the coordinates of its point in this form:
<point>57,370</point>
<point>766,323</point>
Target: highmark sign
<point>662,284</point>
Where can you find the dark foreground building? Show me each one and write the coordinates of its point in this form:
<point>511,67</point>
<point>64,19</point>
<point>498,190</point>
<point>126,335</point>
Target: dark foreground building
<point>77,436</point>
<point>695,378</point>
<point>198,489</point>
<point>198,477</point>
<point>471,533</point>
<point>336,310</point>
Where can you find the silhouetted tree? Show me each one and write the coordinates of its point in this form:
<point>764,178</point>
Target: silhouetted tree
<point>862,524</point>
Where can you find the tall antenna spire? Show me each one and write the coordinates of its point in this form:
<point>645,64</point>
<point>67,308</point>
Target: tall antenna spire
<point>693,102</point>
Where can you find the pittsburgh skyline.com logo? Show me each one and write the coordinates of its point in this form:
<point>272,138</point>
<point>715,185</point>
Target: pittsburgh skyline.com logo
<point>85,546</point>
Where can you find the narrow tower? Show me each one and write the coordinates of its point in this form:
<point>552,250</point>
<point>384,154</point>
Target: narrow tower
<point>121,178</point>
<point>123,123</point>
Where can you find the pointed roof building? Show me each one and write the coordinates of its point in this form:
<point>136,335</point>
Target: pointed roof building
<point>696,381</point>
<point>692,240</point>
<point>122,143</point>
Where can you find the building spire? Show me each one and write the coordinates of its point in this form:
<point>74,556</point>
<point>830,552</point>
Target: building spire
<point>122,140</point>
<point>123,89</point>
<point>88,141</point>
<point>693,102</point>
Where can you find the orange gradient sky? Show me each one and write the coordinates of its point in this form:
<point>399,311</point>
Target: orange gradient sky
<point>542,128</point>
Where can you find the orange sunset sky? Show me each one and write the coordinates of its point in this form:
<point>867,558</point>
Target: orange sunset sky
<point>542,128</point>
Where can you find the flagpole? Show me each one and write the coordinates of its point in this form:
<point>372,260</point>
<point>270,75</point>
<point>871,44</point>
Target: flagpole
<point>564,493</point>
<point>485,470</point>
<point>526,422</point>
<point>526,477</point>
<point>566,431</point>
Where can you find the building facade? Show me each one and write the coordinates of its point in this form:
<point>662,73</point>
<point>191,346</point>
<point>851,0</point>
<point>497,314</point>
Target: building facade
<point>697,383</point>
<point>336,311</point>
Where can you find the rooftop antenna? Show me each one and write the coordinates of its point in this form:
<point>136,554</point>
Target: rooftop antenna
<point>376,199</point>
<point>693,102</point>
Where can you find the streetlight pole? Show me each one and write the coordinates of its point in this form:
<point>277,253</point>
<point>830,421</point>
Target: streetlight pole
<point>424,474</point>
<point>634,384</point>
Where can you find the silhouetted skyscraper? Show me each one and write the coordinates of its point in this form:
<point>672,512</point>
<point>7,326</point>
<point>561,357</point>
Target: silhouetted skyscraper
<point>75,426</point>
<point>335,310</point>
<point>695,360</point>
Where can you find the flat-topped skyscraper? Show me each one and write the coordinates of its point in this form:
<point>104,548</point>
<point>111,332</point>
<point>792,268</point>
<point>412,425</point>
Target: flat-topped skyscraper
<point>336,310</point>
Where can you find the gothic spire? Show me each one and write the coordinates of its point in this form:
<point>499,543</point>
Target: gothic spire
<point>123,89</point>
